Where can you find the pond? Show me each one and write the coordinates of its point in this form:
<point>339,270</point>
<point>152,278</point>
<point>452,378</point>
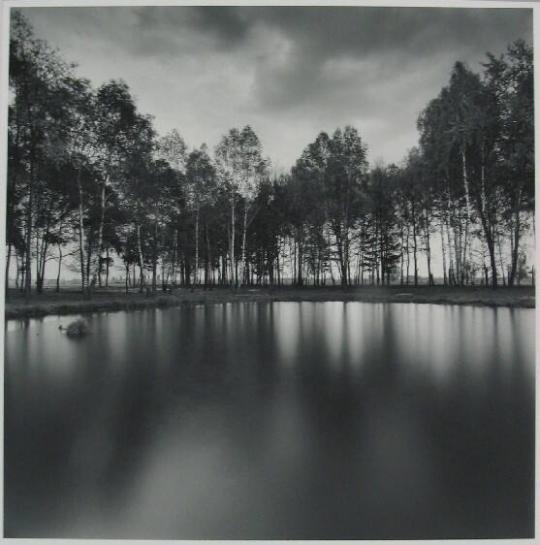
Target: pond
<point>272,421</point>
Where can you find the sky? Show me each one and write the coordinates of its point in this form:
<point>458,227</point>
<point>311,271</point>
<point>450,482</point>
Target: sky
<point>289,72</point>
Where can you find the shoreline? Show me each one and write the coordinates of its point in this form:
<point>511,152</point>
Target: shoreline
<point>66,303</point>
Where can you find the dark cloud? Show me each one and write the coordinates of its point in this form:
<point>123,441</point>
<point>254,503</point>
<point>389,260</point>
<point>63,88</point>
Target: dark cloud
<point>288,71</point>
<point>323,32</point>
<point>387,39</point>
<point>329,31</point>
<point>230,25</point>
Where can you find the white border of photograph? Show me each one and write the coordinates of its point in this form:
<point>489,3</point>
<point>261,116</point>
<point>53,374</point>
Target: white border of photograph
<point>6,5</point>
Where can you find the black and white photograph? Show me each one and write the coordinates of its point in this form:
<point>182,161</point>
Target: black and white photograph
<point>268,270</point>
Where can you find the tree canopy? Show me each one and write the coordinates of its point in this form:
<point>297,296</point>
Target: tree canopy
<point>90,178</point>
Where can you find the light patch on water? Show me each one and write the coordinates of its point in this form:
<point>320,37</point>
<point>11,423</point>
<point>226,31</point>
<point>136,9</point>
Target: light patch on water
<point>287,324</point>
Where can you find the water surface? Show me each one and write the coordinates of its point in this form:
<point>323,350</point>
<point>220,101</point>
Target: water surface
<point>273,420</point>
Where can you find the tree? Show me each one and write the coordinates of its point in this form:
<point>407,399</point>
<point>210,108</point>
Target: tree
<point>43,87</point>
<point>346,171</point>
<point>87,173</point>
<point>139,173</point>
<point>412,194</point>
<point>115,120</point>
<point>241,167</point>
<point>306,201</point>
<point>510,79</point>
<point>381,192</point>
<point>200,176</point>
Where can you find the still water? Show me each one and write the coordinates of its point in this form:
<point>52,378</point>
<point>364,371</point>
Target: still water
<point>273,420</point>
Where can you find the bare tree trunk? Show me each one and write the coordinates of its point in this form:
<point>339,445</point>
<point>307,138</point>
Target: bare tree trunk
<point>155,257</point>
<point>59,268</point>
<point>382,259</point>
<point>515,239</point>
<point>346,255</point>
<point>41,256</point>
<point>244,241</point>
<point>501,262</point>
<point>486,224</point>
<point>340,243</point>
<point>491,248</point>
<point>408,255</point>
<point>196,271</point>
<point>451,258</point>
<point>8,260</point>
<point>173,259</point>
<point>154,275</point>
<point>89,252</point>
<point>467,209</point>
<point>81,232</point>
<point>99,260</point>
<point>428,252</point>
<point>210,269</point>
<point>300,257</point>
<point>18,271</point>
<point>22,271</point>
<point>38,262</point>
<point>292,259</point>
<point>234,280</point>
<point>454,270</point>
<point>43,264</point>
<point>401,257</point>
<point>140,256</point>
<point>28,256</point>
<point>415,247</point>
<point>42,247</point>
<point>443,250</point>
<point>107,268</point>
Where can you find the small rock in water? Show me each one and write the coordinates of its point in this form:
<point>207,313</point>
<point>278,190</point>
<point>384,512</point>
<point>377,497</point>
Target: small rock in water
<point>78,328</point>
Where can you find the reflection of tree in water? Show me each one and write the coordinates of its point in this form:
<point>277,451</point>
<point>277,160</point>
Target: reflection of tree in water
<point>200,376</point>
<point>379,446</point>
<point>480,428</point>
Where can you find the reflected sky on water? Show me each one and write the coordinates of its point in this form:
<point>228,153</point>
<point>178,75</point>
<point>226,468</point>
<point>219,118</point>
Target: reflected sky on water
<point>272,420</point>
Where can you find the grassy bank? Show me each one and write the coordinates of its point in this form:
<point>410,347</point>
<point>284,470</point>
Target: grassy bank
<point>72,302</point>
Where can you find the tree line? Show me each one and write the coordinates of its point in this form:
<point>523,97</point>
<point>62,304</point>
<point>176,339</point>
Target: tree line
<point>91,183</point>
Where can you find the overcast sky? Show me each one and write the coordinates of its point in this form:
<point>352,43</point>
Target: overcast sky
<point>289,72</point>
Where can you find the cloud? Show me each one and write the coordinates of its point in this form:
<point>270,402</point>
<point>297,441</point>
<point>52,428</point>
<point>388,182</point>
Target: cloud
<point>290,72</point>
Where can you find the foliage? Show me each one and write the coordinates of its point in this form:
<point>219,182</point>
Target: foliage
<point>89,175</point>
